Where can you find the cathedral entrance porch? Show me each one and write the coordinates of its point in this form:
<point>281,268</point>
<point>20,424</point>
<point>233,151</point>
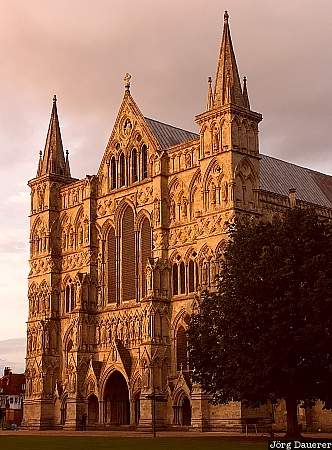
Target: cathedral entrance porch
<point>116,409</point>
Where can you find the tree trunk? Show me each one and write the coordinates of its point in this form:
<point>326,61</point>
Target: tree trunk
<point>293,431</point>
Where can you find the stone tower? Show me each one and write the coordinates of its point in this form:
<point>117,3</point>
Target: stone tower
<point>118,260</point>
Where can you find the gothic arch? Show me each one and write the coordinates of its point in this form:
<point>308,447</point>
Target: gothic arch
<point>213,165</point>
<point>141,216</point>
<point>107,373</point>
<point>120,211</point>
<point>107,225</point>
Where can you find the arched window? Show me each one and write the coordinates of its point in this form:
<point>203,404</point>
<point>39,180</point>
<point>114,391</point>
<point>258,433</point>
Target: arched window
<point>175,279</point>
<point>146,246</point>
<point>182,278</point>
<point>111,267</point>
<point>191,276</point>
<point>181,349</point>
<point>69,348</point>
<point>128,256</point>
<point>144,158</point>
<point>113,173</point>
<point>70,297</point>
<point>122,170</point>
<point>67,294</point>
<point>134,173</point>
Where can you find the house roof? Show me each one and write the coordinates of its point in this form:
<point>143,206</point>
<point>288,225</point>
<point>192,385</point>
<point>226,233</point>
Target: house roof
<point>167,135</point>
<point>12,384</point>
<point>279,177</point>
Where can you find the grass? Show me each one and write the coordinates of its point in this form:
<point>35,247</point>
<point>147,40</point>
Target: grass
<point>144,443</point>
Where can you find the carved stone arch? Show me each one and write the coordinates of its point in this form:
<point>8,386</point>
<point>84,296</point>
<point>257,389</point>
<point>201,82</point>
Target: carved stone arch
<point>124,203</point>
<point>143,214</point>
<point>174,257</point>
<point>175,184</point>
<point>241,163</point>
<point>67,337</point>
<point>64,219</point>
<point>196,180</point>
<point>220,248</point>
<point>205,252</point>
<point>38,223</point>
<point>181,391</point>
<point>181,319</point>
<point>108,371</point>
<point>104,230</point>
<point>79,216</point>
<point>213,166</point>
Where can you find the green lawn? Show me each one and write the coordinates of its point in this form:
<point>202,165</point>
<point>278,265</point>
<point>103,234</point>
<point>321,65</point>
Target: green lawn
<point>144,443</point>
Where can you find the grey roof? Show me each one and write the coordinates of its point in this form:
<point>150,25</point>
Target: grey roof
<point>279,176</point>
<point>167,135</point>
<point>276,176</point>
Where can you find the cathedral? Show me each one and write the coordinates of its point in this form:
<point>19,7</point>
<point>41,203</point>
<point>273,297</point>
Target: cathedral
<point>118,261</point>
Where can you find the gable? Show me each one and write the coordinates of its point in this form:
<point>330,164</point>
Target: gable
<point>130,130</point>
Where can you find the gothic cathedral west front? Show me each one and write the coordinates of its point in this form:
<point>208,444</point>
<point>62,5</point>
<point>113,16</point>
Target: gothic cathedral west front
<point>118,261</point>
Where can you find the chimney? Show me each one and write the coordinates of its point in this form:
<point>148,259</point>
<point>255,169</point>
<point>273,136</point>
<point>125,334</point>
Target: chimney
<point>292,197</point>
<point>7,371</point>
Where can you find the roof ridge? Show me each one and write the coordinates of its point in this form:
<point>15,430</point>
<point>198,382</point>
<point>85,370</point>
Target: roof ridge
<point>296,165</point>
<point>172,126</point>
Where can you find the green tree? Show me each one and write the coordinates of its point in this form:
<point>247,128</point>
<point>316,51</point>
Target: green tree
<point>266,333</point>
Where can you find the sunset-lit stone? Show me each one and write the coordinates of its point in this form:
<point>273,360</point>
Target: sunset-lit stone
<point>118,260</point>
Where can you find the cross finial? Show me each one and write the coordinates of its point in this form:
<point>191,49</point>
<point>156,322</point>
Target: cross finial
<point>127,79</point>
<point>226,16</point>
<point>54,99</point>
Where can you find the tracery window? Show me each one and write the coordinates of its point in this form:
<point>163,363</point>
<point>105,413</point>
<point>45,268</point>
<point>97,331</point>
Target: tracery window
<point>111,266</point>
<point>144,158</point>
<point>128,256</point>
<point>182,278</point>
<point>113,173</point>
<point>175,279</point>
<point>181,349</point>
<point>122,170</point>
<point>70,297</point>
<point>134,160</point>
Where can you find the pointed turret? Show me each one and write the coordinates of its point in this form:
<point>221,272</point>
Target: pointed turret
<point>227,84</point>
<point>53,161</point>
<point>209,104</point>
<point>245,94</point>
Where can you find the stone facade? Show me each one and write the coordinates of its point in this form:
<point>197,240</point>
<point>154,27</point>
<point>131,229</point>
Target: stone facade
<point>118,260</point>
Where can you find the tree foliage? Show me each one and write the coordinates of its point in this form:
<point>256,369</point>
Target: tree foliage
<point>266,334</point>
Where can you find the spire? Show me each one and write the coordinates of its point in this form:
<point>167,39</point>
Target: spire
<point>67,164</point>
<point>245,94</point>
<point>210,95</point>
<point>53,161</point>
<point>227,90</point>
<point>40,163</point>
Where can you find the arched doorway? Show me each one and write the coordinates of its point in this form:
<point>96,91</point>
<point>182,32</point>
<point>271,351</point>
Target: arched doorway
<point>93,410</point>
<point>116,400</point>
<point>182,412</point>
<point>186,411</point>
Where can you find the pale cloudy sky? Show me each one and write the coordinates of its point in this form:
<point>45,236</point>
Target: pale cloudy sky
<point>81,49</point>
